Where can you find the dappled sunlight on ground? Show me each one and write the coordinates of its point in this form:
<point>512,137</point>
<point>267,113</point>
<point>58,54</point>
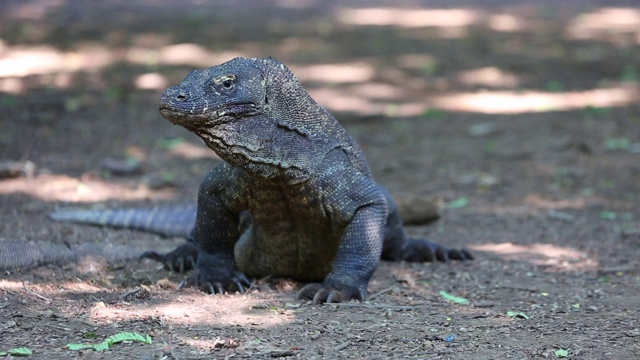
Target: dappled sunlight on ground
<point>507,23</point>
<point>180,54</point>
<point>375,95</point>
<point>517,119</point>
<point>11,285</point>
<point>601,24</point>
<point>335,73</point>
<point>71,287</point>
<point>188,150</point>
<point>151,81</point>
<point>539,202</point>
<point>551,257</point>
<point>193,307</point>
<point>35,11</point>
<point>437,18</point>
<point>366,102</point>
<point>345,100</point>
<point>175,308</point>
<point>507,102</point>
<point>19,61</point>
<point>68,189</point>
<point>488,76</point>
<point>410,18</point>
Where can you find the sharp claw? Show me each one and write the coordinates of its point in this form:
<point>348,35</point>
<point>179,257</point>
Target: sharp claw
<point>455,255</point>
<point>319,296</point>
<point>239,286</point>
<point>191,261</point>
<point>432,256</point>
<point>184,284</point>
<point>334,297</point>
<point>308,291</point>
<point>152,255</point>
<point>219,288</point>
<point>243,278</point>
<point>209,288</point>
<point>442,255</point>
<point>362,294</point>
<point>460,255</point>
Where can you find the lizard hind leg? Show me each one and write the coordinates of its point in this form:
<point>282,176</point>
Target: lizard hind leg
<point>397,246</point>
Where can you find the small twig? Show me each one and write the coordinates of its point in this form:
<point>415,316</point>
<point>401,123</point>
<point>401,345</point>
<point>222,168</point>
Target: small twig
<point>380,306</point>
<point>342,346</point>
<point>517,287</point>
<point>8,291</point>
<point>127,294</point>
<point>278,353</point>
<point>33,292</point>
<point>616,269</point>
<point>484,304</point>
<point>382,292</point>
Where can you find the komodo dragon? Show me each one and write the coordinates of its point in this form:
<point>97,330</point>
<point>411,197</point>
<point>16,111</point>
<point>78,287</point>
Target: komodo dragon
<point>293,198</point>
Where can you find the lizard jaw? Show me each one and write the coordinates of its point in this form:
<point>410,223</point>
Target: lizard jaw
<point>186,119</point>
<point>178,116</point>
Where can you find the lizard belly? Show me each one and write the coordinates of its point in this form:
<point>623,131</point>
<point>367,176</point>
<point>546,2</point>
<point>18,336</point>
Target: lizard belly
<point>290,235</point>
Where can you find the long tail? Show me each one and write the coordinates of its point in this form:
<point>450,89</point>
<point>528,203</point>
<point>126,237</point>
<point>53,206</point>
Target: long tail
<point>165,220</point>
<point>16,254</point>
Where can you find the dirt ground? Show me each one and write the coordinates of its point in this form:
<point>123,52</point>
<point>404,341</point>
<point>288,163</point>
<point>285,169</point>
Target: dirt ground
<point>524,117</point>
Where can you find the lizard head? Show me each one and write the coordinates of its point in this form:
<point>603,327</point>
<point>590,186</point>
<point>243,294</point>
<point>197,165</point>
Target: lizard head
<point>219,94</point>
<point>255,115</point>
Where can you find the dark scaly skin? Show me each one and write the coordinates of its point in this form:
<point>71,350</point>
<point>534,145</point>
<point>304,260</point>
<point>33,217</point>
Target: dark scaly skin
<point>295,197</point>
<point>165,220</point>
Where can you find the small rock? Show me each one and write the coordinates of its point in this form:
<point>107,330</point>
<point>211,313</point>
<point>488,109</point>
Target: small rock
<point>419,209</point>
<point>479,178</point>
<point>560,215</point>
<point>483,129</point>
<point>124,167</point>
<point>12,169</point>
<point>484,304</point>
<point>630,233</point>
<point>633,333</point>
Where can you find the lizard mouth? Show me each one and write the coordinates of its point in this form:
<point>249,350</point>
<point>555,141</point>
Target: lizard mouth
<point>170,113</point>
<point>191,122</point>
<point>178,117</point>
<point>181,116</point>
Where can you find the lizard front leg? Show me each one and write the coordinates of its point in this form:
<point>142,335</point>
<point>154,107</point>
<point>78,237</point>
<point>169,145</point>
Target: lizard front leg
<point>356,260</point>
<point>360,246</point>
<point>220,201</point>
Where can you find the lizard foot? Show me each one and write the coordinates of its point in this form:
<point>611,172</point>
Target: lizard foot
<point>425,250</point>
<point>335,289</point>
<point>217,278</point>
<point>181,259</point>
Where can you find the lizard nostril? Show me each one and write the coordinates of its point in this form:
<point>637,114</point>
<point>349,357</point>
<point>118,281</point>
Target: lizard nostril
<point>181,97</point>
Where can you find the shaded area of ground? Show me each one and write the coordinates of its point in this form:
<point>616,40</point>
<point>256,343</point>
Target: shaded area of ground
<point>523,116</point>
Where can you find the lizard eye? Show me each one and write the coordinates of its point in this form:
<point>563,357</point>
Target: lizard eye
<point>225,82</point>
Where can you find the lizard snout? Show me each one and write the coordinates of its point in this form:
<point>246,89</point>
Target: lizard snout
<point>174,95</point>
